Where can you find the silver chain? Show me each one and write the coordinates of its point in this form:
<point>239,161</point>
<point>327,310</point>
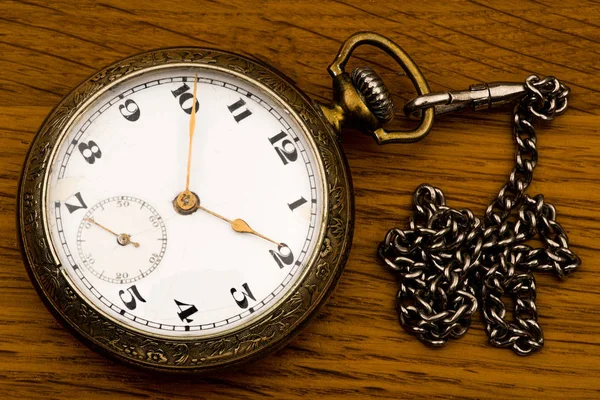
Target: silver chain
<point>449,263</point>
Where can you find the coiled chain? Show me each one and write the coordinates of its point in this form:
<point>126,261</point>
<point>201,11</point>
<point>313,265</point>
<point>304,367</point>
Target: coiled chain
<point>449,262</point>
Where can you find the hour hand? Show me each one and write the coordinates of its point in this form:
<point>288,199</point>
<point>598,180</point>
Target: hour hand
<point>239,225</point>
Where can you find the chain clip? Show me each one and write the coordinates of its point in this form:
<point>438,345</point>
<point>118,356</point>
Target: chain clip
<point>480,96</point>
<point>548,98</point>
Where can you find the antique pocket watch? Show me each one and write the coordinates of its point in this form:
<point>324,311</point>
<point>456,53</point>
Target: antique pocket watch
<point>188,209</point>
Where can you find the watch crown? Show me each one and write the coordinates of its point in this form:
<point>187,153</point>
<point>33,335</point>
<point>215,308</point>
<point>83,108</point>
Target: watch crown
<point>374,93</point>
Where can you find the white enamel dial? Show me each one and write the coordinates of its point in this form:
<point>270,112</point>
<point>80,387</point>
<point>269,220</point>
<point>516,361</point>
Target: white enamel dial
<point>153,268</point>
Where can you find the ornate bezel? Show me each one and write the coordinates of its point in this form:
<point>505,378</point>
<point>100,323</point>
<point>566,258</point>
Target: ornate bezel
<point>111,338</point>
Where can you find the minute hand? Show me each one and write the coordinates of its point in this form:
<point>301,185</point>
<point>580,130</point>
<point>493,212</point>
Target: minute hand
<point>192,129</point>
<point>239,225</point>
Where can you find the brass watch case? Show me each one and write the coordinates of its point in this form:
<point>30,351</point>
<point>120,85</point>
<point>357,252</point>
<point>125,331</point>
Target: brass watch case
<point>248,342</point>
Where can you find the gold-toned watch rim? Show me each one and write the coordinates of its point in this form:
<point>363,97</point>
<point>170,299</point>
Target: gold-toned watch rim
<point>200,354</point>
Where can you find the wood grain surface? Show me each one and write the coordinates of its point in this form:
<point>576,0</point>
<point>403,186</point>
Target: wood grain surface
<point>355,348</point>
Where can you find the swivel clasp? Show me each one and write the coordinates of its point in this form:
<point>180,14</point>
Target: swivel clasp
<point>478,97</point>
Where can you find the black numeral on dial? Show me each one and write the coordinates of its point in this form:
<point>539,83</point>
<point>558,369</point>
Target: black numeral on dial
<point>286,149</point>
<point>242,298</point>
<point>283,256</point>
<point>239,115</point>
<point>130,110</point>
<point>186,311</point>
<point>133,294</point>
<point>297,203</point>
<point>90,151</point>
<point>185,99</point>
<point>75,207</point>
<point>122,203</point>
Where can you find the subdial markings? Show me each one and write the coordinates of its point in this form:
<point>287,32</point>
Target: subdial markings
<point>113,262</point>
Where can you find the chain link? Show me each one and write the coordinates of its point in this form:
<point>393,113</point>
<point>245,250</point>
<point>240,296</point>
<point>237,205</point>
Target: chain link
<point>449,262</point>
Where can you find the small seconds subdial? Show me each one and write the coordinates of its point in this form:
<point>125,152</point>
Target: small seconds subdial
<point>121,239</point>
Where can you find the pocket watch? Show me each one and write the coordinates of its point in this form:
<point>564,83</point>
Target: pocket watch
<point>189,209</point>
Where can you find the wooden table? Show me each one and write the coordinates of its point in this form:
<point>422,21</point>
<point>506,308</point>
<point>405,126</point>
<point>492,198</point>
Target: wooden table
<point>355,347</point>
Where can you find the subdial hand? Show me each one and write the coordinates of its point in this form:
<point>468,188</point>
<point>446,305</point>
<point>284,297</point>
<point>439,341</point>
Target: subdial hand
<point>239,225</point>
<point>122,238</point>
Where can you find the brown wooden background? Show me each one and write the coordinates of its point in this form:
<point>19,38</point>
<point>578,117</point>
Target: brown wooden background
<point>355,348</point>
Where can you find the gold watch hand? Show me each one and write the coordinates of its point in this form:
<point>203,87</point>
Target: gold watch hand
<point>187,202</point>
<point>123,239</point>
<point>192,129</point>
<point>239,225</point>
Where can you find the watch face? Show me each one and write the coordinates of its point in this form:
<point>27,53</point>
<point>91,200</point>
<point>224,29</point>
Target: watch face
<point>121,170</point>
